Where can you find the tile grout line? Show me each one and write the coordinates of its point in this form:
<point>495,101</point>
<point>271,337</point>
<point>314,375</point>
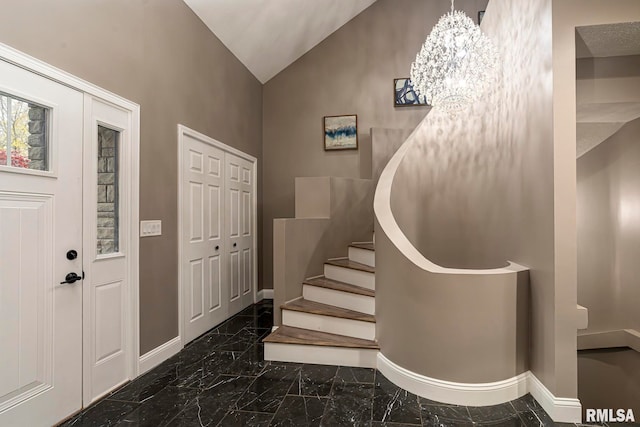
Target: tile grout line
<point>373,397</point>
<point>420,409</point>
<point>326,406</point>
<point>284,397</point>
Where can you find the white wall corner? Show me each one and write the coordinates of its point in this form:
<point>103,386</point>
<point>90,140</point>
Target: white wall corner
<point>264,294</point>
<point>560,409</point>
<point>159,354</point>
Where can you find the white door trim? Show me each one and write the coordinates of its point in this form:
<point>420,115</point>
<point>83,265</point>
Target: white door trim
<point>50,72</point>
<point>184,131</point>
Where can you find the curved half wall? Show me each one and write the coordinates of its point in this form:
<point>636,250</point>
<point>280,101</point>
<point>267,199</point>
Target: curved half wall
<point>467,329</point>
<point>458,325</point>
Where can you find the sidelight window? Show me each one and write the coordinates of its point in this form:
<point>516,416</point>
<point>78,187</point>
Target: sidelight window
<point>108,211</point>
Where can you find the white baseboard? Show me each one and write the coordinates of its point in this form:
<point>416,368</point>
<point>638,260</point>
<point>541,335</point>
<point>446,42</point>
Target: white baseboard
<point>560,409</point>
<point>265,294</point>
<point>482,394</point>
<point>158,355</point>
<point>563,410</point>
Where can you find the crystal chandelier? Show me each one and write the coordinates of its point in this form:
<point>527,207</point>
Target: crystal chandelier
<point>456,65</point>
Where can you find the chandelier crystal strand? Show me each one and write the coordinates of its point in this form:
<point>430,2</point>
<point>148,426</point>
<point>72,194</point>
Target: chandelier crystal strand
<point>456,65</point>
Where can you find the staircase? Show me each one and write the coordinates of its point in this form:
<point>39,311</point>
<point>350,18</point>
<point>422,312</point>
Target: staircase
<point>333,323</point>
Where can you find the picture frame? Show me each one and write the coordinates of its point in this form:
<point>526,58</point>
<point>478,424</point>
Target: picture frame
<point>405,96</point>
<point>340,132</point>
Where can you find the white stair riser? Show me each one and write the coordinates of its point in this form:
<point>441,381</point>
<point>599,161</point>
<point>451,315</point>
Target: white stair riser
<point>356,302</point>
<point>329,324</point>
<point>321,355</point>
<point>363,256</point>
<point>351,276</point>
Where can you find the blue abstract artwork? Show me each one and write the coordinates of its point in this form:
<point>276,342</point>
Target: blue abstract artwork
<point>405,95</point>
<point>341,132</point>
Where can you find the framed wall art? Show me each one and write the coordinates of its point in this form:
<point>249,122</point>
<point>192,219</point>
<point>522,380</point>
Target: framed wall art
<point>341,132</point>
<point>404,95</point>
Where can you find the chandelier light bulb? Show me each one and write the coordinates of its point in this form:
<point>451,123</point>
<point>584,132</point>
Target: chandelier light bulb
<point>456,65</point>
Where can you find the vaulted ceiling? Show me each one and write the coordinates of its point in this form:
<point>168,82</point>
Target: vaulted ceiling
<point>268,35</point>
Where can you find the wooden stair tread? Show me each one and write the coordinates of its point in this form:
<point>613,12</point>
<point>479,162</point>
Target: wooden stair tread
<point>291,335</point>
<point>369,246</point>
<point>323,282</point>
<point>313,307</point>
<point>347,263</point>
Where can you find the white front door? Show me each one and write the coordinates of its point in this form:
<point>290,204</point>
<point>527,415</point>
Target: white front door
<point>203,206</point>
<point>239,185</point>
<point>40,226</point>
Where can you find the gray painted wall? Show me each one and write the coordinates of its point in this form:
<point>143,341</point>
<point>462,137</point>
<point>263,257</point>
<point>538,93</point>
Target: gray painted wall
<point>609,231</point>
<point>385,143</point>
<point>608,189</point>
<point>611,79</point>
<point>161,56</point>
<point>608,192</point>
<point>350,72</point>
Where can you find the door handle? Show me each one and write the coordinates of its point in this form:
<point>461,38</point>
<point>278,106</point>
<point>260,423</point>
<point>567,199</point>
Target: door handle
<point>235,244</point>
<point>217,247</point>
<point>71,278</point>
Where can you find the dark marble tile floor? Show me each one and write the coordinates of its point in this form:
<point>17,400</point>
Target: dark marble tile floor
<point>221,379</point>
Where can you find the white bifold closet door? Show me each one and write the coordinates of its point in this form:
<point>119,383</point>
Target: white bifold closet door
<point>239,251</point>
<point>217,237</point>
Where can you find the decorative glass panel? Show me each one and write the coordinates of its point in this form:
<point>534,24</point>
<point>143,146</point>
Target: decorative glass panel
<point>24,134</point>
<point>108,212</point>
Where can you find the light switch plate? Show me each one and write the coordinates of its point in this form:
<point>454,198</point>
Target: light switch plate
<point>150,228</point>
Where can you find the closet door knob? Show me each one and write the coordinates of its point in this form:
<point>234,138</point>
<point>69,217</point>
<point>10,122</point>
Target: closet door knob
<point>217,247</point>
<point>235,244</point>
